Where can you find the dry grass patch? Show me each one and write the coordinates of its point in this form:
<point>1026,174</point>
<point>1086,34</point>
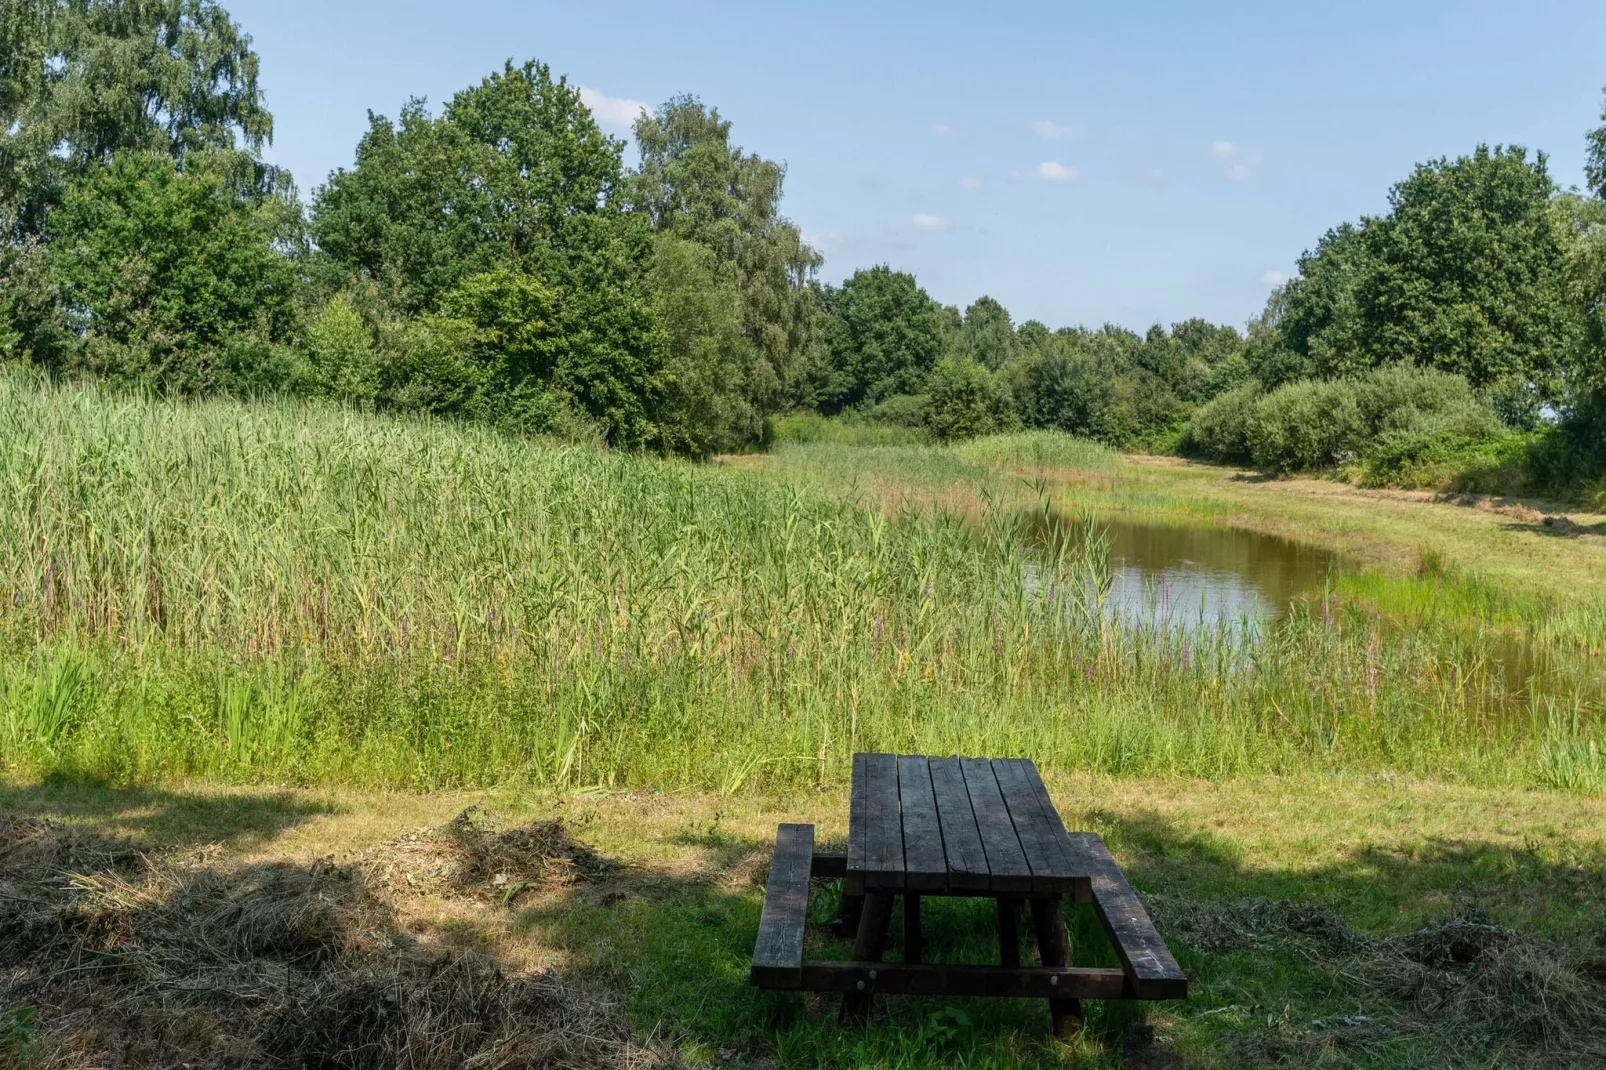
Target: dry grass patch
<point>113,955</point>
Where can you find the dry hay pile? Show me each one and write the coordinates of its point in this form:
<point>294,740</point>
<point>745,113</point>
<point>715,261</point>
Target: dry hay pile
<point>110,956</point>
<point>1493,996</point>
<point>473,855</point>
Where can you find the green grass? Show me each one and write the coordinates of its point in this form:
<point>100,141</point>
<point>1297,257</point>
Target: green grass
<point>1248,879</point>
<point>297,594</point>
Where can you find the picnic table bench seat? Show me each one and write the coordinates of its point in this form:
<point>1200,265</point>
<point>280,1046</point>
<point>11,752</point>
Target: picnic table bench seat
<point>923,826</point>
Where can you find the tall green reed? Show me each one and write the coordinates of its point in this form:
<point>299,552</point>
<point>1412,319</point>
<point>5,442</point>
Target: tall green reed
<point>295,593</point>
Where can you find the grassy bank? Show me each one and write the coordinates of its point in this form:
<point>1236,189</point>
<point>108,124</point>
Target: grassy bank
<point>291,593</point>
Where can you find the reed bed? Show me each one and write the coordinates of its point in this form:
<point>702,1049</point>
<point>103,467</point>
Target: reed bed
<point>291,593</point>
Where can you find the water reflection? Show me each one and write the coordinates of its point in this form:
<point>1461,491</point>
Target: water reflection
<point>1199,576</point>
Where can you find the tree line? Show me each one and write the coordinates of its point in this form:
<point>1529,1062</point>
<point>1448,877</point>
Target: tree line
<point>495,259</point>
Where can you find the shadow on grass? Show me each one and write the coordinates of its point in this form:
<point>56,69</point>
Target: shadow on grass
<point>116,953</point>
<point>232,818</point>
<point>1345,964</point>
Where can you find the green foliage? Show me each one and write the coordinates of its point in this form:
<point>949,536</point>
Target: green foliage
<point>82,80</point>
<point>805,427</point>
<point>1220,429</point>
<point>343,362</point>
<point>882,335</point>
<point>159,270</point>
<point>1468,274</point>
<point>693,183</point>
<point>1319,315</point>
<point>1403,425</point>
<point>987,336</point>
<point>706,406</point>
<point>964,400</point>
<point>1595,161</point>
<point>503,215</point>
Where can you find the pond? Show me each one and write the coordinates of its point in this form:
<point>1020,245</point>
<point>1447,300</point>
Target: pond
<point>1193,575</point>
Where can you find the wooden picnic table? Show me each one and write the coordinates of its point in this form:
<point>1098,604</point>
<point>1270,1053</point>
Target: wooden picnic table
<point>921,827</point>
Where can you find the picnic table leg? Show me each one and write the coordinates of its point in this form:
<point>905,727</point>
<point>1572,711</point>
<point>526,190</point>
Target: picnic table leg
<point>848,915</point>
<point>1054,949</point>
<point>1008,930</point>
<point>869,946</point>
<point>912,947</point>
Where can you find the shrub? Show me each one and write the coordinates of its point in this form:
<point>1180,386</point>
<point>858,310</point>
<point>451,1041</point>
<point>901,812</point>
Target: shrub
<point>1220,429</point>
<point>963,400</point>
<point>1308,424</point>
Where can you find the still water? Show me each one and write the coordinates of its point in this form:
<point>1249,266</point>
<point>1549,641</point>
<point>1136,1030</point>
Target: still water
<point>1189,576</point>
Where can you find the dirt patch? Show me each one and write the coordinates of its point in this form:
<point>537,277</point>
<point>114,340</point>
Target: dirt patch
<point>111,955</point>
<point>1494,994</point>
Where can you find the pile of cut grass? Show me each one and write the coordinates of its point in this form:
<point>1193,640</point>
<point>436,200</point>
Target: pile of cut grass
<point>114,954</point>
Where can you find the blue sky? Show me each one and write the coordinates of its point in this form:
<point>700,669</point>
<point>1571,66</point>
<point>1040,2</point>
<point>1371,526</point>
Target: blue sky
<point>1133,163</point>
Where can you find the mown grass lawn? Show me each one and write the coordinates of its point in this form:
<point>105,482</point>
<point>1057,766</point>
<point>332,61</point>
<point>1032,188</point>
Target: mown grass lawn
<point>1305,911</point>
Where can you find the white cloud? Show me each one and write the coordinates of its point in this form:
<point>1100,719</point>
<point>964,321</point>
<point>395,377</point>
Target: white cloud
<point>612,111</point>
<point>971,184</point>
<point>1275,278</point>
<point>1052,131</point>
<point>943,130</point>
<point>1057,172</point>
<point>932,222</point>
<point>822,242</point>
<point>1234,163</point>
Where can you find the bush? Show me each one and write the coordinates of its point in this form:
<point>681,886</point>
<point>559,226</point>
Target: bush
<point>963,400</point>
<point>849,429</point>
<point>1308,424</point>
<point>1404,426</point>
<point>1220,430</point>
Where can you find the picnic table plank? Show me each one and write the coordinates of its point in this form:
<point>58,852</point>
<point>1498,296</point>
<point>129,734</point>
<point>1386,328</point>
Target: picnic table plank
<point>883,823</point>
<point>961,839</point>
<point>855,871</point>
<point>1006,862</point>
<point>1043,840</point>
<point>778,952</point>
<point>1149,967</point>
<point>924,865</point>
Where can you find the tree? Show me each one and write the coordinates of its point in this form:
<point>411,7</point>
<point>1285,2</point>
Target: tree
<point>1595,157</point>
<point>706,408</point>
<point>1319,315</point>
<point>882,333</point>
<point>963,400</point>
<point>164,274</point>
<point>81,80</point>
<point>988,336</point>
<point>695,184</point>
<point>512,192</point>
<point>1468,275</point>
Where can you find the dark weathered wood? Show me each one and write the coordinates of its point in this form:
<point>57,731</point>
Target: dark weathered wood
<point>911,979</point>
<point>855,874</point>
<point>1008,931</point>
<point>829,867</point>
<point>778,952</point>
<point>1054,949</point>
<point>1006,862</point>
<point>869,946</point>
<point>925,868</point>
<point>961,839</point>
<point>1153,973</point>
<point>913,943</point>
<point>883,823</point>
<point>1043,840</point>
